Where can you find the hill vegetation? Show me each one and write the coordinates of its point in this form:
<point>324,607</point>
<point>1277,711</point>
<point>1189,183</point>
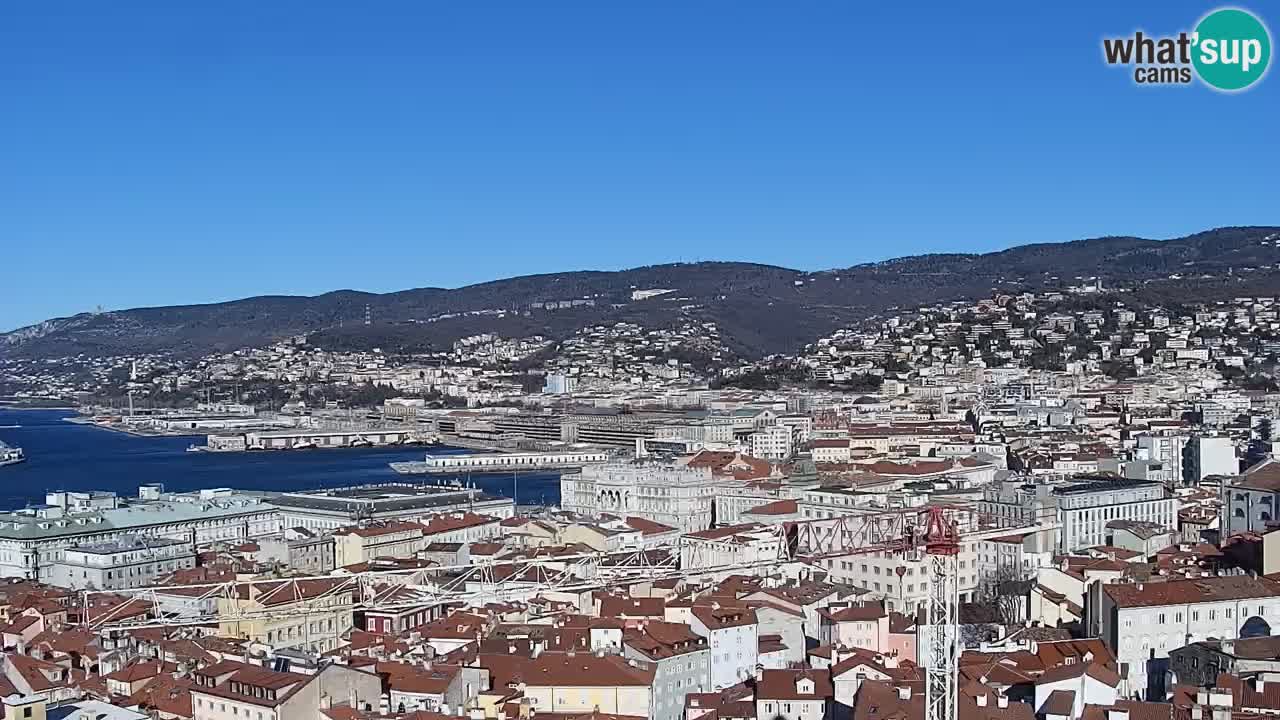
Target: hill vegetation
<point>759,309</point>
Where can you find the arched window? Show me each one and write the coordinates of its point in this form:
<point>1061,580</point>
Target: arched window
<point>1264,516</point>
<point>1238,513</point>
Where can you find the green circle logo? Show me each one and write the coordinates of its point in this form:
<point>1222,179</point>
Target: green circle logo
<point>1232,49</point>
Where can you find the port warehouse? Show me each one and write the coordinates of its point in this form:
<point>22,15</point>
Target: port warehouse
<point>283,440</point>
<point>179,423</point>
<point>603,429</point>
<point>34,541</point>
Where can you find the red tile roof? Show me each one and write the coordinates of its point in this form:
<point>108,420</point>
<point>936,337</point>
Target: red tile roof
<point>587,670</point>
<point>778,507</point>
<point>783,685</point>
<point>1181,592</point>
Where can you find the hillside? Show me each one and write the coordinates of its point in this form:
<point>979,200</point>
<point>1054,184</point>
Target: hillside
<point>760,309</point>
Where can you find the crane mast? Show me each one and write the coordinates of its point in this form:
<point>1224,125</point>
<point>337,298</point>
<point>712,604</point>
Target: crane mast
<point>942,546</point>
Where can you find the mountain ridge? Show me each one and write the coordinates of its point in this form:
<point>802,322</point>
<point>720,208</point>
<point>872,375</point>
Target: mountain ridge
<point>760,308</point>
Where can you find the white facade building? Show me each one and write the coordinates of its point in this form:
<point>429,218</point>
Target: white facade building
<point>1205,456</point>
<point>669,493</point>
<point>772,443</point>
<point>1085,508</point>
<point>1250,502</point>
<point>1142,622</point>
<point>732,637</point>
<point>126,563</point>
<point>32,541</point>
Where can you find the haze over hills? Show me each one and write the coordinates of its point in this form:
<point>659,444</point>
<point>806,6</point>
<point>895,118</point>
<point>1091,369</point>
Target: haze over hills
<point>759,309</point>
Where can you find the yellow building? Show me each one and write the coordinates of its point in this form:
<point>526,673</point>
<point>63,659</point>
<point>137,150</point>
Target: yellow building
<point>306,614</point>
<point>356,545</point>
<point>583,683</point>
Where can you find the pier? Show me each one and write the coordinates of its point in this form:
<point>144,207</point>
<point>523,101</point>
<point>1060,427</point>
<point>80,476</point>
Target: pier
<point>499,462</point>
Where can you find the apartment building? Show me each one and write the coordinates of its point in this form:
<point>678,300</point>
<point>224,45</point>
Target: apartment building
<point>230,690</point>
<point>130,562</point>
<point>362,544</point>
<point>732,638</point>
<point>1251,501</point>
<point>311,615</point>
<point>582,682</point>
<point>1142,622</point>
<point>681,662</point>
<point>775,442</point>
<point>1087,505</point>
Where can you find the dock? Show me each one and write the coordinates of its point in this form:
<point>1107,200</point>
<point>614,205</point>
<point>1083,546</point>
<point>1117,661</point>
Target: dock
<point>500,463</point>
<point>304,439</point>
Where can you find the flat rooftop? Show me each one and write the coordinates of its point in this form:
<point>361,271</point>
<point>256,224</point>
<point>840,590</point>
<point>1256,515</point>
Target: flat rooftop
<point>388,497</point>
<point>126,544</point>
<point>1101,484</point>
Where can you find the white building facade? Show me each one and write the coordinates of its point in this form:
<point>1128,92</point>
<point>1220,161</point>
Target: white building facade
<point>668,493</point>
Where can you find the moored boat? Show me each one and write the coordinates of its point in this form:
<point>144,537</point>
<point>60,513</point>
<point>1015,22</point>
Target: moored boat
<point>10,455</point>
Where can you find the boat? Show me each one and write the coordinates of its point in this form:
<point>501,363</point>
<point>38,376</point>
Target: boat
<point>196,448</point>
<point>361,441</point>
<point>10,455</point>
<point>303,445</point>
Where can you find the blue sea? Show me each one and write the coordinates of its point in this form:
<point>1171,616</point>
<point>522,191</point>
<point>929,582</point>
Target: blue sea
<point>67,456</point>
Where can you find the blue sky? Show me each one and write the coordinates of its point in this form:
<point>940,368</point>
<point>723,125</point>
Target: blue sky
<point>162,153</point>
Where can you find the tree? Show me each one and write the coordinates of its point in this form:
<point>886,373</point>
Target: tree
<point>1006,592</point>
<point>1260,445</point>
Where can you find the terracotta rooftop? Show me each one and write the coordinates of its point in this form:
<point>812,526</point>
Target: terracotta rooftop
<point>778,507</point>
<point>1181,592</point>
<point>587,670</point>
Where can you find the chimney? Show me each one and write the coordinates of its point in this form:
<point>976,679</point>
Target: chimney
<point>981,700</point>
<point>1259,684</point>
<point>1002,701</point>
<point>904,692</point>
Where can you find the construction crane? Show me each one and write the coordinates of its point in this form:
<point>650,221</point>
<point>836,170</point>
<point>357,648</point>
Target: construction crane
<point>942,657</point>
<point>937,532</point>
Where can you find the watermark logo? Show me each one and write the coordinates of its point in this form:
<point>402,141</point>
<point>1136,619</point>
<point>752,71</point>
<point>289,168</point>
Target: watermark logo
<point>1229,50</point>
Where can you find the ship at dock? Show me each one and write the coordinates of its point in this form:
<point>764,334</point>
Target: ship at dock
<point>10,455</point>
